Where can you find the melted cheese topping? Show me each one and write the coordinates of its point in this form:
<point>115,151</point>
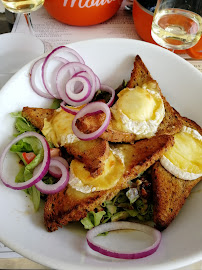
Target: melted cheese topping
<point>81,180</point>
<point>59,129</point>
<point>184,159</point>
<point>139,110</point>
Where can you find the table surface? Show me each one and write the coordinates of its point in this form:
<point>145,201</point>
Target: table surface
<point>6,23</point>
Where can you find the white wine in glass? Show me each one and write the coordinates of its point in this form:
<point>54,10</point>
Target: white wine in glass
<point>20,48</point>
<point>22,6</point>
<point>177,26</point>
<point>25,7</point>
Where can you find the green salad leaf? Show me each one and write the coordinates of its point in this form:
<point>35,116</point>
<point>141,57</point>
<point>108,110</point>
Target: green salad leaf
<point>21,124</point>
<point>29,144</point>
<point>55,104</point>
<point>33,192</point>
<point>92,219</point>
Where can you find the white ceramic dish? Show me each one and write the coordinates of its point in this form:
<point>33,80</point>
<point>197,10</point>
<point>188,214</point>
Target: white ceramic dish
<point>16,50</point>
<point>23,231</point>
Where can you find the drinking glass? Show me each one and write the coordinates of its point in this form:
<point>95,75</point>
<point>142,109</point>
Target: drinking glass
<point>25,7</point>
<point>17,49</point>
<point>177,24</point>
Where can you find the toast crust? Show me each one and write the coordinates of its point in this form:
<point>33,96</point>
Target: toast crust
<point>85,152</point>
<point>170,192</point>
<point>36,116</point>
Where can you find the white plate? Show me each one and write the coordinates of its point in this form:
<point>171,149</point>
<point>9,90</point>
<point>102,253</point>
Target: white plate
<point>16,50</point>
<point>23,231</point>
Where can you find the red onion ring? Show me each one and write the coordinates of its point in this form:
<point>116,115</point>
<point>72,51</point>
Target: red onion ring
<point>85,74</point>
<point>61,85</point>
<point>110,90</point>
<point>68,109</point>
<point>55,171</point>
<point>33,79</point>
<point>92,108</point>
<point>49,57</point>
<point>61,184</point>
<point>39,175</point>
<point>53,85</point>
<point>122,225</point>
<point>83,94</point>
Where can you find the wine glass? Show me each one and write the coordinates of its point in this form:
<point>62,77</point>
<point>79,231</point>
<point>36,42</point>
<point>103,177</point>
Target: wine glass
<point>25,7</point>
<point>19,48</point>
<point>177,24</point>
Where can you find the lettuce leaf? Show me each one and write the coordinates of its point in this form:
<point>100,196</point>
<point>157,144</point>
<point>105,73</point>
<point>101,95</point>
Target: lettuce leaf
<point>30,144</point>
<point>33,192</point>
<point>55,104</point>
<point>92,219</point>
<point>21,124</point>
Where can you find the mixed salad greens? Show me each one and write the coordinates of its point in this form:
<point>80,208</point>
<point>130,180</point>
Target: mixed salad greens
<point>31,155</point>
<point>134,203</point>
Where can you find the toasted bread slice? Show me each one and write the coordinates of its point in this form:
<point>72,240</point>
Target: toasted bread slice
<point>83,151</point>
<point>36,116</point>
<point>172,122</point>
<point>170,192</point>
<point>90,123</point>
<point>92,153</point>
<point>140,75</point>
<point>72,205</point>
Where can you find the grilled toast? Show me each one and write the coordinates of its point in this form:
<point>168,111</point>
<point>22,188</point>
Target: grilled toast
<point>170,192</point>
<point>140,75</point>
<point>83,151</point>
<point>36,116</point>
<point>72,205</point>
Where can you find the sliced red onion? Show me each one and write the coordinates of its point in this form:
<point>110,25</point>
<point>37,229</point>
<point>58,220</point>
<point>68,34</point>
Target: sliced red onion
<point>55,171</point>
<point>52,93</point>
<point>85,74</point>
<point>61,184</point>
<point>61,82</point>
<point>33,78</point>
<point>51,87</point>
<point>123,225</point>
<point>49,78</point>
<point>110,90</point>
<point>92,108</point>
<point>79,86</point>
<point>83,94</point>
<point>39,175</point>
<point>68,109</point>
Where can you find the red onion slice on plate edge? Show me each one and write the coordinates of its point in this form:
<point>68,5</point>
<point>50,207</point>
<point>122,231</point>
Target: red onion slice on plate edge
<point>123,225</point>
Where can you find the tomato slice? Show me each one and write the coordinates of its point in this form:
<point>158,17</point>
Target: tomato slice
<point>28,157</point>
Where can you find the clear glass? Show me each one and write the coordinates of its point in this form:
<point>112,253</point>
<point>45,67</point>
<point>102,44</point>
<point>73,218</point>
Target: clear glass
<point>25,7</point>
<point>177,24</point>
<point>19,48</point>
